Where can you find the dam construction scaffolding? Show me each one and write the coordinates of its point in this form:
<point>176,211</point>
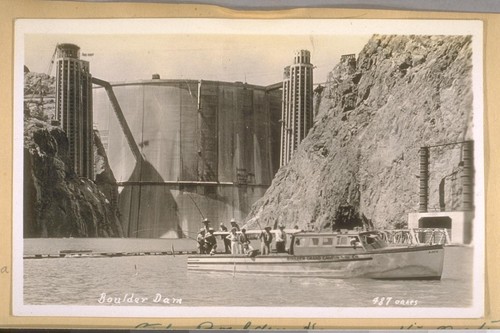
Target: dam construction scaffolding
<point>184,150</point>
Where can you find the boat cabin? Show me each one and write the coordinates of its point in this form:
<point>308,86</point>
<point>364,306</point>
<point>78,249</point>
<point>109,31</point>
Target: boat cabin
<point>307,243</point>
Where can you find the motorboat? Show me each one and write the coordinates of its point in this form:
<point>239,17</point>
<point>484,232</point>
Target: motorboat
<point>340,254</point>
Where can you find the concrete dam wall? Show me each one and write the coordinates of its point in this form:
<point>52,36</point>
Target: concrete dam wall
<point>201,148</point>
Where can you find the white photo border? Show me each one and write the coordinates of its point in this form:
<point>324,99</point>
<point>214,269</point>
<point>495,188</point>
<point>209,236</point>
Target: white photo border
<point>250,27</point>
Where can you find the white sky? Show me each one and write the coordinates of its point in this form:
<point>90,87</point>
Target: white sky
<point>256,59</point>
<point>255,51</point>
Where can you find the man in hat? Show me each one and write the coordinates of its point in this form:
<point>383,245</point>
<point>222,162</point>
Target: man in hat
<point>227,242</point>
<point>206,225</point>
<point>266,239</point>
<point>234,224</point>
<point>281,239</point>
<point>210,242</point>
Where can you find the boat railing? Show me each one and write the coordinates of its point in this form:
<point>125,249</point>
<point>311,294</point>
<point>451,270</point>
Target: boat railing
<point>417,236</point>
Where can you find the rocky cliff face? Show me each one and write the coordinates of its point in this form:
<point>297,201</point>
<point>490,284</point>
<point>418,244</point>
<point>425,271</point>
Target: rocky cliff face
<point>376,111</point>
<point>39,92</point>
<point>57,203</point>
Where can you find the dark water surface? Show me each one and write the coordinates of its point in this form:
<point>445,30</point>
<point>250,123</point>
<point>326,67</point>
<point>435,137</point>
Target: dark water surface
<point>164,281</point>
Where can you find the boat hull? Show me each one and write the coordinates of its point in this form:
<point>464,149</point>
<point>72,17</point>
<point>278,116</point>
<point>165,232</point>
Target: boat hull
<point>422,262</point>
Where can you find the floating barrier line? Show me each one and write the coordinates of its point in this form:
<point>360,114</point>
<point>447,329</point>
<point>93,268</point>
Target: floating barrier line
<point>107,254</point>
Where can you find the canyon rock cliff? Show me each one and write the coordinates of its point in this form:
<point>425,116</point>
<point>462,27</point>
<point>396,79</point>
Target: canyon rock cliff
<point>57,203</point>
<point>360,158</point>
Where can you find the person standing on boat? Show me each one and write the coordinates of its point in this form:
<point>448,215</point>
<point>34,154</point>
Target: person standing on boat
<point>281,239</point>
<point>244,242</point>
<point>266,239</point>
<point>227,242</point>
<point>200,238</point>
<point>235,242</point>
<point>234,224</point>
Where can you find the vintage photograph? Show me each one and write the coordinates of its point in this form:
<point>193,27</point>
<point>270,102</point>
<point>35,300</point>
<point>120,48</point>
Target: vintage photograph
<point>265,168</point>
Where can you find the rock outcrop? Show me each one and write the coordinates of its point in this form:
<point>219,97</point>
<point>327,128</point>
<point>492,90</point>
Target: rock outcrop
<point>57,203</point>
<point>39,92</point>
<point>373,115</point>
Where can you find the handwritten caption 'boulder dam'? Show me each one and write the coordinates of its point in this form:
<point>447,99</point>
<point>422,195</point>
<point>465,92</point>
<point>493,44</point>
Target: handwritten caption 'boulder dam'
<point>136,299</point>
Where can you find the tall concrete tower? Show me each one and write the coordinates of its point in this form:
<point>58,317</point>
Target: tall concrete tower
<point>297,107</point>
<point>74,107</point>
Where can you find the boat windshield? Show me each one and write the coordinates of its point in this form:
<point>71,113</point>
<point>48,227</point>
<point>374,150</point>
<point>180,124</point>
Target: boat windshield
<point>372,240</point>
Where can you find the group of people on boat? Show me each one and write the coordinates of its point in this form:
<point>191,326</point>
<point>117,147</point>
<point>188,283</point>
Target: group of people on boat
<point>237,241</point>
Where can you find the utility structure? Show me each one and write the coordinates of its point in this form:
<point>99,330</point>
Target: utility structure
<point>458,217</point>
<point>74,107</point>
<point>297,104</point>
